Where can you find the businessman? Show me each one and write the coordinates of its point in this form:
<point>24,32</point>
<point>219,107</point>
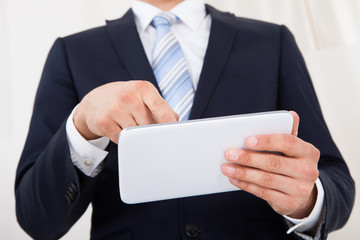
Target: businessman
<point>165,61</point>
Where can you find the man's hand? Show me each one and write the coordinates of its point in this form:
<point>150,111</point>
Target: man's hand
<point>286,181</point>
<point>110,108</point>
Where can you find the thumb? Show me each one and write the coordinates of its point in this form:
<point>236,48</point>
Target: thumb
<point>296,118</point>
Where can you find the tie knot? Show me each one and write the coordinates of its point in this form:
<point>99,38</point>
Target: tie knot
<point>164,19</point>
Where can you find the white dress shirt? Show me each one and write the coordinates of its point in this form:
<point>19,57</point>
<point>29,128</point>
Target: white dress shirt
<point>192,32</point>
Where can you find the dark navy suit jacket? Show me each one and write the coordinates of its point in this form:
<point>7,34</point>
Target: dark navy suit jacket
<point>250,66</point>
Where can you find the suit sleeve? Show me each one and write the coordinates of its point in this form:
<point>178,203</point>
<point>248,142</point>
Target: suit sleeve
<point>296,93</point>
<point>51,194</point>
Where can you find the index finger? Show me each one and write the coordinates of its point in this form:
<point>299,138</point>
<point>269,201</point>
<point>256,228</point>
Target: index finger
<point>160,109</point>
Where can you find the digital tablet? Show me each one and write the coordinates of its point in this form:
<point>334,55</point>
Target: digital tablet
<point>183,159</point>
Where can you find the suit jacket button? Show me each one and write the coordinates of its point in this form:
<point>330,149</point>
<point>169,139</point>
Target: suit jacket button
<point>68,199</point>
<point>191,230</point>
<point>71,191</point>
<point>74,187</point>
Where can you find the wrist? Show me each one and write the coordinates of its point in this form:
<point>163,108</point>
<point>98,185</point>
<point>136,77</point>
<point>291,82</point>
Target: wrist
<point>81,126</point>
<point>305,209</point>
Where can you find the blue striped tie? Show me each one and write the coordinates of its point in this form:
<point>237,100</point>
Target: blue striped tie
<point>170,68</point>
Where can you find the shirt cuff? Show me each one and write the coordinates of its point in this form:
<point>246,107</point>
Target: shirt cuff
<point>310,222</point>
<point>86,155</point>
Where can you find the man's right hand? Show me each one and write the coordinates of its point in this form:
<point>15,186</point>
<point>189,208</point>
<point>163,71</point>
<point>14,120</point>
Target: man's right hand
<point>108,109</point>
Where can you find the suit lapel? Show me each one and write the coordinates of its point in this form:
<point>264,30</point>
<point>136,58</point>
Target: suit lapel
<point>222,34</point>
<point>126,39</point>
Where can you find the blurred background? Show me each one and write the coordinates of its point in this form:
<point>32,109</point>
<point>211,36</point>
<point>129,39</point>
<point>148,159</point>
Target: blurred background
<point>327,32</point>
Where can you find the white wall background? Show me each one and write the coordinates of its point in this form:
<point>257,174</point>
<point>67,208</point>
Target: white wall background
<point>327,31</point>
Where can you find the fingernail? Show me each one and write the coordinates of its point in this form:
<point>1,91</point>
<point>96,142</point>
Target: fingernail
<point>233,155</point>
<point>251,141</point>
<point>228,170</point>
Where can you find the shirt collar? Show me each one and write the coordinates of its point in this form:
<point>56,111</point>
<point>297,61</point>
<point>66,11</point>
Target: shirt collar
<point>190,12</point>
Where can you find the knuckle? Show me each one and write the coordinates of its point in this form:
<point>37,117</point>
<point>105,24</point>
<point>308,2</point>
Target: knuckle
<point>157,105</point>
<point>274,162</point>
<point>314,174</point>
<point>315,152</point>
<point>267,180</point>
<point>266,140</point>
<point>311,172</point>
<point>241,173</point>
<point>127,98</point>
<point>247,157</point>
<point>244,157</point>
<point>289,142</point>
<point>262,193</point>
<point>245,185</point>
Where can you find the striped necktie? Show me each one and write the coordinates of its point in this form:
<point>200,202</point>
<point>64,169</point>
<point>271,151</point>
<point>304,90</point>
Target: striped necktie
<point>170,68</point>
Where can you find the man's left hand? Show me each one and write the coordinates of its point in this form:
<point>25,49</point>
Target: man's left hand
<point>281,169</point>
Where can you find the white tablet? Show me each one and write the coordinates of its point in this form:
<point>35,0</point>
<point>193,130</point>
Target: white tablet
<point>174,160</point>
